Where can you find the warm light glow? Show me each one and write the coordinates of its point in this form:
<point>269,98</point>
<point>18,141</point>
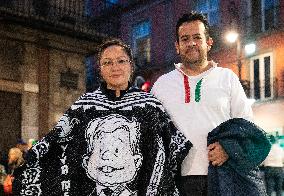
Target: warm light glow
<point>232,36</point>
<point>250,48</point>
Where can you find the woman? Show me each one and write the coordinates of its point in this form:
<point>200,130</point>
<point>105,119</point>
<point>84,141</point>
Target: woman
<point>15,160</point>
<point>117,140</point>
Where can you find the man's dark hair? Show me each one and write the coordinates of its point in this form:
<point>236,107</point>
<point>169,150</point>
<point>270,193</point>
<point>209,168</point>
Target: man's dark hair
<point>114,42</point>
<point>190,17</point>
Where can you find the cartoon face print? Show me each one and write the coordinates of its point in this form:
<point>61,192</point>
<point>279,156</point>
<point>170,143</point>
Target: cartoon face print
<point>41,148</point>
<point>112,160</point>
<point>65,125</point>
<point>115,157</point>
<point>32,190</point>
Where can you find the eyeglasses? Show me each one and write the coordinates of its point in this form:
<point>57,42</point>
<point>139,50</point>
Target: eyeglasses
<point>120,62</point>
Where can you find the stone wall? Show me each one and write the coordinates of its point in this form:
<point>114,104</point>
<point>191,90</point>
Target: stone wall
<point>31,64</point>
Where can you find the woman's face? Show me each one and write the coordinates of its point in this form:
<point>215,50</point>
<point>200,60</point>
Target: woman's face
<point>115,67</point>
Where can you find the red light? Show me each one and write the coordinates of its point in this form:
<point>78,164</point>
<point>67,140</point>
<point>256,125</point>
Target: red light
<point>146,86</point>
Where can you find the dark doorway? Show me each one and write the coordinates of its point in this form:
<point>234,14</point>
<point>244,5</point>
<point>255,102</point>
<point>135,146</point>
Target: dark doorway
<point>10,120</point>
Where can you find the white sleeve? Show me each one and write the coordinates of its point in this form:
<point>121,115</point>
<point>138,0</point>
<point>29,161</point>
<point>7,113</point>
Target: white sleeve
<point>240,105</point>
<point>155,89</point>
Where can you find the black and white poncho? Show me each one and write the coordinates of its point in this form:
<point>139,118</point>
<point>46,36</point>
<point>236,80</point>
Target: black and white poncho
<point>105,145</point>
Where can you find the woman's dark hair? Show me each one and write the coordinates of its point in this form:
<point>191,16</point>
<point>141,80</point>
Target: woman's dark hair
<point>114,42</point>
<point>190,17</point>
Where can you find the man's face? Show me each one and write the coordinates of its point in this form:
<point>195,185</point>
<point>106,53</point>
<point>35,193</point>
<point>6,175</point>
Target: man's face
<point>192,45</point>
<point>112,162</point>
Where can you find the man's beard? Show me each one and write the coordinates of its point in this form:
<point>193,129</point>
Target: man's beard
<point>188,61</point>
<point>197,61</point>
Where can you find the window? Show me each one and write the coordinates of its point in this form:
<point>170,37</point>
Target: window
<point>264,15</point>
<point>271,12</point>
<point>88,8</point>
<point>113,1</point>
<point>141,43</point>
<point>110,3</point>
<point>92,74</point>
<point>262,76</point>
<point>210,8</point>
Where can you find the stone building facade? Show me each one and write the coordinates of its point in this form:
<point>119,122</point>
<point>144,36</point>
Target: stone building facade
<point>42,72</point>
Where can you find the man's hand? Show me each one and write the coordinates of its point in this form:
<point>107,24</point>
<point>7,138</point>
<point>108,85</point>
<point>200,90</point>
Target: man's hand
<point>216,154</point>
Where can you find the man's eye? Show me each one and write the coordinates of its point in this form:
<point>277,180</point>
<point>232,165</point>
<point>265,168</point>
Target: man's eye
<point>198,37</point>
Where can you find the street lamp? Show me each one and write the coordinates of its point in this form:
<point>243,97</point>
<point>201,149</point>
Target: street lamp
<point>233,37</point>
<point>250,48</point>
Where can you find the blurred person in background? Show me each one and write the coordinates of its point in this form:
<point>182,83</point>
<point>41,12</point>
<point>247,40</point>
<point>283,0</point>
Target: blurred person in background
<point>15,160</point>
<point>2,178</point>
<point>273,168</point>
<point>4,159</point>
<point>31,142</point>
<point>23,146</point>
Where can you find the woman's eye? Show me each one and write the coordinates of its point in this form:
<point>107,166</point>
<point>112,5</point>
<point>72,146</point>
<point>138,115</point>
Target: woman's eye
<point>107,63</point>
<point>121,61</point>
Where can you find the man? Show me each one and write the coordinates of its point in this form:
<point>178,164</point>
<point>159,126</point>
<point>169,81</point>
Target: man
<point>199,96</point>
